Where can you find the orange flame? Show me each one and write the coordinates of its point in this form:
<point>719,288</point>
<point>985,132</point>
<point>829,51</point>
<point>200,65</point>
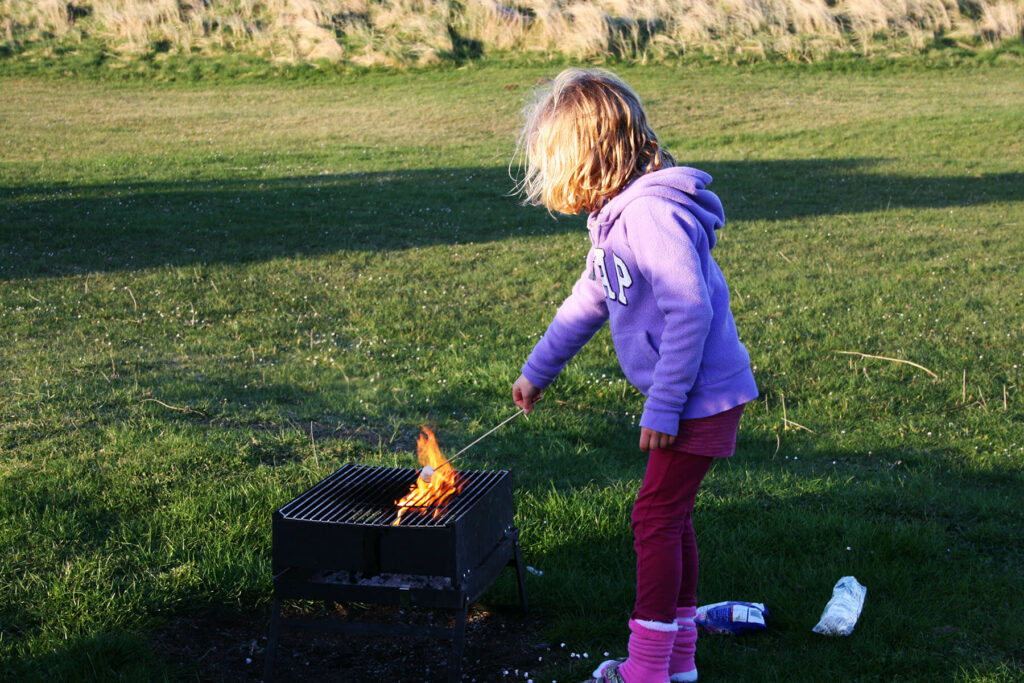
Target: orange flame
<point>443,483</point>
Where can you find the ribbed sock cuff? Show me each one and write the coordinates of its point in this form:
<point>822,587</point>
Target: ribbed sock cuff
<point>681,664</point>
<point>650,647</point>
<point>659,626</point>
<point>685,613</point>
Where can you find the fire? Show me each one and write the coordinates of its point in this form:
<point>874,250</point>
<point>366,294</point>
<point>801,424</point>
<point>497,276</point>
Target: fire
<point>444,483</point>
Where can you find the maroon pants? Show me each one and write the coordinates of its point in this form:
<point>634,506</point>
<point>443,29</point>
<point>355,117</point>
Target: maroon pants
<point>666,548</point>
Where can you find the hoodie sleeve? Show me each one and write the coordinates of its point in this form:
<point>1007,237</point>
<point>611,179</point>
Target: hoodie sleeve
<point>666,240</point>
<point>579,317</point>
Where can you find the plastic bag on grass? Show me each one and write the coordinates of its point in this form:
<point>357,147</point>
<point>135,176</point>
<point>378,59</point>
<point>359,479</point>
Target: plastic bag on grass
<point>732,618</point>
<point>843,610</point>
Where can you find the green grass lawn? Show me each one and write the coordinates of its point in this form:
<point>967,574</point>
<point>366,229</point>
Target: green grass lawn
<point>213,295</point>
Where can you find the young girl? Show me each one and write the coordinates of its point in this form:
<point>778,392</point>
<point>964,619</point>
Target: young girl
<point>649,272</point>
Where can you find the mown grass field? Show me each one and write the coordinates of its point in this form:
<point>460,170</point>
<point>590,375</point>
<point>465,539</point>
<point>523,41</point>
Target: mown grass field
<point>213,295</point>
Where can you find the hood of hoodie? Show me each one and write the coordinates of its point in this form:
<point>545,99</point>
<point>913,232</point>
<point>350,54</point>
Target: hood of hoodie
<point>683,185</point>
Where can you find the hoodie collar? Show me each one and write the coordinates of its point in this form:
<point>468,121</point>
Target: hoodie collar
<point>680,184</point>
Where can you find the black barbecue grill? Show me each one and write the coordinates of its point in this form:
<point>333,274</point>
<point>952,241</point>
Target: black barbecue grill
<point>338,542</point>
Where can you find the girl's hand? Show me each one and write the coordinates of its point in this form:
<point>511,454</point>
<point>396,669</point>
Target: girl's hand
<point>524,394</point>
<point>650,439</point>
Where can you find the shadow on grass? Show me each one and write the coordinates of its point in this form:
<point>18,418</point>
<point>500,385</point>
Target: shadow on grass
<point>102,656</point>
<point>931,545</point>
<point>771,530</point>
<point>274,413</point>
<point>75,229</point>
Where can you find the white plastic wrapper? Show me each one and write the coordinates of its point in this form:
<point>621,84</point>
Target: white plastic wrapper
<point>843,610</point>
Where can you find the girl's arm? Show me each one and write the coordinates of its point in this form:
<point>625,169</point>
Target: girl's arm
<point>579,317</point>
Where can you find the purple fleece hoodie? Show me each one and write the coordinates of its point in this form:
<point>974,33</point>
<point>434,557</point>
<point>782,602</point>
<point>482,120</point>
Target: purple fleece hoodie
<point>650,273</point>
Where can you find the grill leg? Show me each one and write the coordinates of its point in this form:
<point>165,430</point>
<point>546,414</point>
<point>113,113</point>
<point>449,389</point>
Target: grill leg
<point>458,643</point>
<point>518,558</point>
<point>268,661</point>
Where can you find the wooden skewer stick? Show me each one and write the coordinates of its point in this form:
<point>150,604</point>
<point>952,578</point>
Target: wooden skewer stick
<point>427,475</point>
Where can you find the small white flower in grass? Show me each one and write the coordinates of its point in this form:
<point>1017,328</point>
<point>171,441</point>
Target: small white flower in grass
<point>586,656</point>
<point>605,654</point>
<point>248,660</point>
<point>849,548</point>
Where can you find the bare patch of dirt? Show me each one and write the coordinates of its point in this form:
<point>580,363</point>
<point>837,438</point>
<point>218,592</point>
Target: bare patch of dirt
<point>501,644</point>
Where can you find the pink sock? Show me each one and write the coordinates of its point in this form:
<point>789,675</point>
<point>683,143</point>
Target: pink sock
<point>681,665</point>
<point>650,646</point>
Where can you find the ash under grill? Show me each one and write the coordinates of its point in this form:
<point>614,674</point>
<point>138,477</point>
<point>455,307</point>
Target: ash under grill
<point>337,541</point>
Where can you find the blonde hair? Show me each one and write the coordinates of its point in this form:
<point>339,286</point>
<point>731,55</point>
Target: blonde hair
<point>585,138</point>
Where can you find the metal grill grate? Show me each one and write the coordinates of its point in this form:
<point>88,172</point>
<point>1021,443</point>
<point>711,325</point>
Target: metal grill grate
<point>344,524</point>
<point>366,495</point>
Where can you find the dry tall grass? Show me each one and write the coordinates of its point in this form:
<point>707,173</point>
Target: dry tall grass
<point>402,31</point>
